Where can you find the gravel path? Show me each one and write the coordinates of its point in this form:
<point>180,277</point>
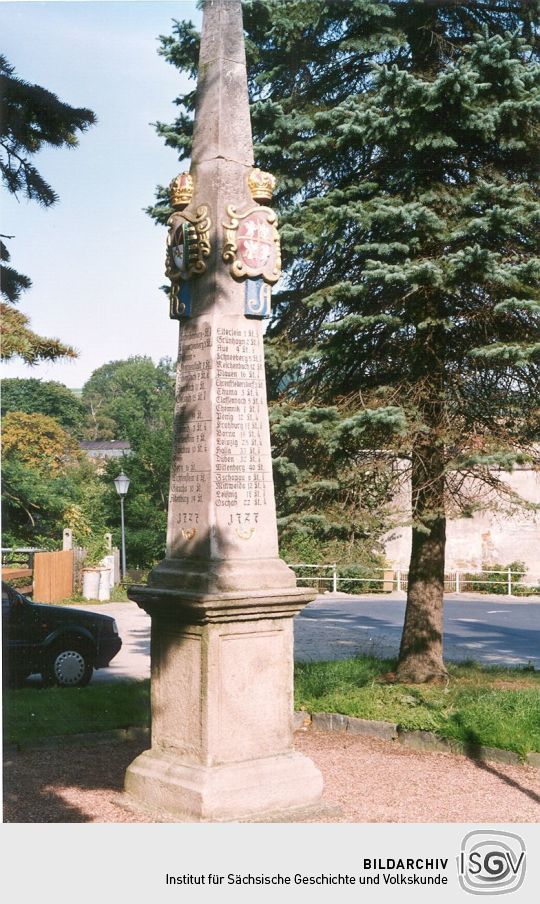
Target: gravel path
<point>370,780</point>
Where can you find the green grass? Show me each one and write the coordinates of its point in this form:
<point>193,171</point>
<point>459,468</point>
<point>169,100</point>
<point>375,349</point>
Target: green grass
<point>33,713</point>
<point>491,707</point>
<point>480,706</point>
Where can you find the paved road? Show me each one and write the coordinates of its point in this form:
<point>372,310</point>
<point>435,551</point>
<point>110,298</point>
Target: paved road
<point>493,630</point>
<point>490,630</point>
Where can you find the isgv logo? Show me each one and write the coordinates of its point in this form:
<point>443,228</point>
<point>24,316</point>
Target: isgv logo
<point>491,863</point>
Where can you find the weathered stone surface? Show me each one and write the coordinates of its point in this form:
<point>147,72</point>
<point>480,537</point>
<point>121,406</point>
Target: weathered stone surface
<point>222,533</point>
<point>485,536</point>
<point>222,692</point>
<point>388,731</point>
<point>329,721</point>
<point>222,601</point>
<point>426,740</point>
<point>225,792</point>
<point>533,759</point>
<point>222,121</point>
<point>301,720</point>
<point>497,755</point>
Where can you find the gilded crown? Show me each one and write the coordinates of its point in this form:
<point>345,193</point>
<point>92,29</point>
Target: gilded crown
<point>181,190</point>
<point>261,185</point>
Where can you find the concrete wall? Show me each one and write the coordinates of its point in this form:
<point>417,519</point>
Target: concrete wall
<point>487,537</point>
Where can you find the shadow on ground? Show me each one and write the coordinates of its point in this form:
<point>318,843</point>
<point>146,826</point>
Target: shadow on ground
<point>50,785</point>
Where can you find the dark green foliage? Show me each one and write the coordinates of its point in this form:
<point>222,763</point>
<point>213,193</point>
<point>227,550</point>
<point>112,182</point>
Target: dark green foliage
<point>50,397</point>
<point>13,283</point>
<point>36,506</point>
<point>395,188</point>
<point>18,340</point>
<point>30,118</point>
<point>146,502</point>
<point>132,400</point>
<point>330,500</point>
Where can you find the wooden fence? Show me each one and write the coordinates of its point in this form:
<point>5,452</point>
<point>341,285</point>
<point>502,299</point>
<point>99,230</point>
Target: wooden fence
<point>53,576</point>
<point>47,576</point>
<point>14,572</point>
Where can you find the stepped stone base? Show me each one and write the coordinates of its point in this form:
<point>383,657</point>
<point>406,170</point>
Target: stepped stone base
<point>223,793</point>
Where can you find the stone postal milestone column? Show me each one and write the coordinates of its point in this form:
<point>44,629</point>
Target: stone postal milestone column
<point>222,602</point>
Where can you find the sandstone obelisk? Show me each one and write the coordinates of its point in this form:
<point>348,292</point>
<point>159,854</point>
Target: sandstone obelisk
<point>222,602</point>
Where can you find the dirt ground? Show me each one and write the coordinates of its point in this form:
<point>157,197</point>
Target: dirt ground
<point>366,780</point>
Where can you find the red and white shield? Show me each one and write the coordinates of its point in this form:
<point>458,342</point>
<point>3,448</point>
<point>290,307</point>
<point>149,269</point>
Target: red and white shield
<point>252,244</point>
<point>256,245</point>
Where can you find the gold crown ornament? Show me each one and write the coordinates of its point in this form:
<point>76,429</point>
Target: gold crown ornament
<point>261,185</point>
<point>181,190</point>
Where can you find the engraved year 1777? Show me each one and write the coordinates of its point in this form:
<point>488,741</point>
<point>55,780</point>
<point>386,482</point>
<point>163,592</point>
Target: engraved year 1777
<point>187,518</point>
<point>243,518</point>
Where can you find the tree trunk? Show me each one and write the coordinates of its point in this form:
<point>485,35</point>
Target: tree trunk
<point>420,655</point>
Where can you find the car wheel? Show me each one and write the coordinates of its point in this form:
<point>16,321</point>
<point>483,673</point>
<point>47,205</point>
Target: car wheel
<point>68,665</point>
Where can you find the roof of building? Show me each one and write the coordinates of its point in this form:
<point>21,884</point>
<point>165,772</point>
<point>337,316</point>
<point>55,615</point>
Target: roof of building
<point>105,445</point>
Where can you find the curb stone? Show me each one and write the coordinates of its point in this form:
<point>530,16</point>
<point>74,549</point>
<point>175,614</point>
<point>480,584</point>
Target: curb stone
<point>497,755</point>
<point>301,720</point>
<point>387,731</point>
<point>425,741</point>
<point>428,741</point>
<point>329,721</point>
<point>533,759</point>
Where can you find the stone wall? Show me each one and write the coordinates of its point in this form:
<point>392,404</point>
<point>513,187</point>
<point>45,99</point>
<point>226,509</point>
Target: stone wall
<point>487,537</point>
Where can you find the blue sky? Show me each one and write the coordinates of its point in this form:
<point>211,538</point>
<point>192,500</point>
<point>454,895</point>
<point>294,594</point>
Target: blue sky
<point>95,259</point>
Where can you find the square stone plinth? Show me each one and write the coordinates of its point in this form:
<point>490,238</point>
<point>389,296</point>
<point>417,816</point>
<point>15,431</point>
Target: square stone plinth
<point>222,714</point>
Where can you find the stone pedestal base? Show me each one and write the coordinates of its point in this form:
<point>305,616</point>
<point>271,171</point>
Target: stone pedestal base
<point>222,706</point>
<point>223,793</point>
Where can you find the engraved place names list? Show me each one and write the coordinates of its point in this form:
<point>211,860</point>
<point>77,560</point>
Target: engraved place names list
<point>240,405</point>
<point>221,473</point>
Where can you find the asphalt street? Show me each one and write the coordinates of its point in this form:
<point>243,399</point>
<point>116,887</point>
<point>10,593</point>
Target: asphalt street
<point>492,630</point>
<point>496,630</point>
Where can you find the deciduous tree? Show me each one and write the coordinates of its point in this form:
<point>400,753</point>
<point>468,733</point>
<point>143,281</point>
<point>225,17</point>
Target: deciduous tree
<point>39,441</point>
<point>44,397</point>
<point>126,399</point>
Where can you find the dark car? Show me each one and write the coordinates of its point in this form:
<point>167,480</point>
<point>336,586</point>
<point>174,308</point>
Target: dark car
<point>64,644</point>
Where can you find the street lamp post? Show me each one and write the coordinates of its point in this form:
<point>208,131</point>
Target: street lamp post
<point>122,485</point>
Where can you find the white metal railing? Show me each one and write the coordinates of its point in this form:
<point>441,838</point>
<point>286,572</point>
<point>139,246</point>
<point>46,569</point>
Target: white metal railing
<point>333,579</point>
<point>18,549</point>
<point>397,578</point>
<point>16,554</point>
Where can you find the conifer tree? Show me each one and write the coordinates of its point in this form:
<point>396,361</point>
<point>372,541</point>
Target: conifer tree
<point>30,117</point>
<point>333,502</point>
<point>405,137</point>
